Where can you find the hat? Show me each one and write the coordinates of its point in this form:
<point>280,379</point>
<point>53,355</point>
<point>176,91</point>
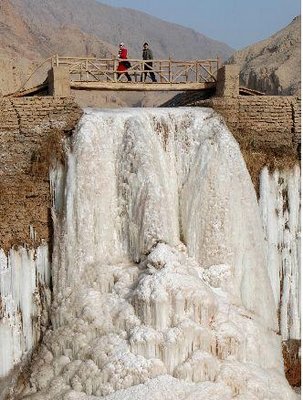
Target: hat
<point>121,44</point>
<point>145,44</point>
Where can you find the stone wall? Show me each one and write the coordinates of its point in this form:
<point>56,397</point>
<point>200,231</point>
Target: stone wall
<point>31,135</point>
<point>262,122</point>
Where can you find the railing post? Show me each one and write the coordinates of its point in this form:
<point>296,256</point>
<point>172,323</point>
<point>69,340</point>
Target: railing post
<point>141,71</point>
<point>86,69</point>
<point>197,76</point>
<point>115,69</point>
<point>160,71</point>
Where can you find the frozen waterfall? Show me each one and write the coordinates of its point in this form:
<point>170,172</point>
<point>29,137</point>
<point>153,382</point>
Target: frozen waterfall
<point>161,287</point>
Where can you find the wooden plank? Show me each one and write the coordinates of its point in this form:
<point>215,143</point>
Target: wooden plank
<point>30,91</point>
<point>133,86</point>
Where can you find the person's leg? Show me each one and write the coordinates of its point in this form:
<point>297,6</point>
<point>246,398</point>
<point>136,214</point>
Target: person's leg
<point>149,66</point>
<point>144,74</point>
<point>128,76</point>
<point>152,75</point>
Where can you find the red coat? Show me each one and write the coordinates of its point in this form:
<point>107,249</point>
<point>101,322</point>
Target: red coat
<point>123,55</point>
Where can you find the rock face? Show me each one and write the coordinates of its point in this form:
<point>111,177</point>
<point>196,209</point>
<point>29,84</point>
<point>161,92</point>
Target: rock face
<point>292,361</point>
<point>272,66</point>
<point>31,137</point>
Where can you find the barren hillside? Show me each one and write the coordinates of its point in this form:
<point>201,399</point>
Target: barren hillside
<point>273,65</point>
<point>112,25</point>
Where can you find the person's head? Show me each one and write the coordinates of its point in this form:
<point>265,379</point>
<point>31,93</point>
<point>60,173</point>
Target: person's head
<point>145,45</point>
<point>121,45</point>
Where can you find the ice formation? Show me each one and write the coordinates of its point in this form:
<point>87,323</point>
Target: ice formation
<point>161,289</point>
<point>25,297</point>
<point>280,210</point>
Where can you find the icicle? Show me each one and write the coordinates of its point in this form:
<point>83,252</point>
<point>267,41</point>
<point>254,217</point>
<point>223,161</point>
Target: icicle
<point>280,211</point>
<point>24,291</point>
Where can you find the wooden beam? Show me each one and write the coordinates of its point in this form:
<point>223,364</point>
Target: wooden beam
<point>28,92</point>
<point>139,86</point>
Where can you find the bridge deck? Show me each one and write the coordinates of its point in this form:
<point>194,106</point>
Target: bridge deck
<point>140,86</point>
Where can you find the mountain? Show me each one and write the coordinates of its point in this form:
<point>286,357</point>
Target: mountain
<point>114,25</point>
<point>273,65</point>
<point>33,30</point>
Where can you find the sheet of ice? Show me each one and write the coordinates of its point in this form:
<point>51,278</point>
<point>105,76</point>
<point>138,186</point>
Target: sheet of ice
<point>160,277</point>
<point>280,195</point>
<point>24,297</point>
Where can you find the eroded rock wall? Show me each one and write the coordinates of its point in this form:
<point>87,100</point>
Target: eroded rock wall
<point>31,135</point>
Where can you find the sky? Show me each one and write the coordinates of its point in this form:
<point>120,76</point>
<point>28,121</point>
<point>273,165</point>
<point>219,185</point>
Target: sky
<point>238,23</point>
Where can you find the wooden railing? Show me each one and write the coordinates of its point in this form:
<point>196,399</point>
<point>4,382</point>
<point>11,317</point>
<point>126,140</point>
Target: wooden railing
<point>166,71</point>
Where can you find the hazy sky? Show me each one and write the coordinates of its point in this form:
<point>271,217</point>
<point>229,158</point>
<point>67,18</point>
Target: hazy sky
<point>238,23</point>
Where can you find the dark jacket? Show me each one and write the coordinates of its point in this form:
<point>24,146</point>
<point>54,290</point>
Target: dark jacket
<point>147,54</point>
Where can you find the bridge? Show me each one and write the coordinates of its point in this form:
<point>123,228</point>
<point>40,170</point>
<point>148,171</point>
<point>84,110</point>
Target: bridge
<point>101,74</point>
<point>88,73</point>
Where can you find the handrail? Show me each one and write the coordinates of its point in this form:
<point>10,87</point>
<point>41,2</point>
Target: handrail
<point>32,74</point>
<point>90,69</point>
<point>215,60</point>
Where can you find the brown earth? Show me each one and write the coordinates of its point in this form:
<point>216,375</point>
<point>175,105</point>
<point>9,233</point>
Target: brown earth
<point>292,361</point>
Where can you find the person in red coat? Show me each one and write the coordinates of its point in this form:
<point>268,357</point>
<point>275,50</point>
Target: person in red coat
<point>123,65</point>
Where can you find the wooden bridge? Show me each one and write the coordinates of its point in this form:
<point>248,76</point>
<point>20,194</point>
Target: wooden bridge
<point>101,74</point>
<point>84,73</point>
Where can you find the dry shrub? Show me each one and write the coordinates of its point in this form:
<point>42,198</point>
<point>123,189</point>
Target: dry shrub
<point>257,160</point>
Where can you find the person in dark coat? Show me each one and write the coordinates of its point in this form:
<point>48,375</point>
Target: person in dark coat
<point>147,54</point>
<point>123,65</point>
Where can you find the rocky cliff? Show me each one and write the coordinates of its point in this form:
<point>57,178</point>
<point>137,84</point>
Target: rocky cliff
<point>273,66</point>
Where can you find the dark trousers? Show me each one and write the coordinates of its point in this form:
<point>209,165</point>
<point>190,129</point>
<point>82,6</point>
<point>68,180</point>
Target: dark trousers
<point>148,66</point>
<point>126,74</point>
